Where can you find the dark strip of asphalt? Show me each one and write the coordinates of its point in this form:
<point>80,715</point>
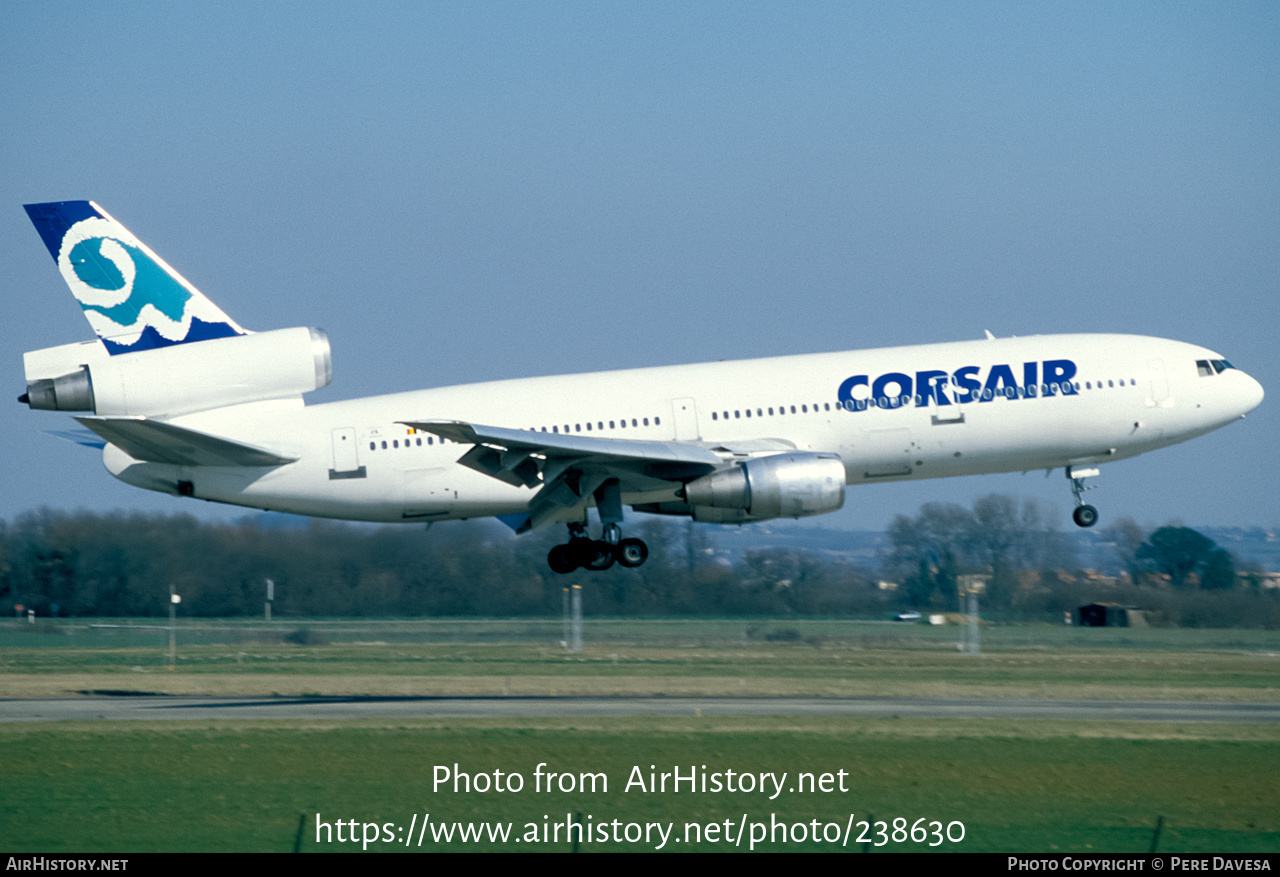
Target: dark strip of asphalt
<point>164,708</point>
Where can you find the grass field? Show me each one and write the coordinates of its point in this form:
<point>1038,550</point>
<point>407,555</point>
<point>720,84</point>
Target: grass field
<point>640,657</point>
<point>1024,785</point>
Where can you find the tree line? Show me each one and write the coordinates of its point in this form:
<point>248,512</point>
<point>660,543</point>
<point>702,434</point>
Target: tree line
<point>1028,568</point>
<point>74,564</point>
<point>78,564</point>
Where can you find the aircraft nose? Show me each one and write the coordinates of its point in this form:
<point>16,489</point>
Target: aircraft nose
<point>1251,394</point>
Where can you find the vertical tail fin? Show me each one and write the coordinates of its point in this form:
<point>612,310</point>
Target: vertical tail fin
<point>131,296</point>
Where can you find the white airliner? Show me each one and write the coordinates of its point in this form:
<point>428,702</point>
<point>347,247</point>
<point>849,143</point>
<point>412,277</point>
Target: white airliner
<point>185,401</point>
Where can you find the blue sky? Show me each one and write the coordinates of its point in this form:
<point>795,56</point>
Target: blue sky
<point>469,191</point>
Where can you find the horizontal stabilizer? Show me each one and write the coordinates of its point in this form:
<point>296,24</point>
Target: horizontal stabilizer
<point>155,441</point>
<point>80,436</point>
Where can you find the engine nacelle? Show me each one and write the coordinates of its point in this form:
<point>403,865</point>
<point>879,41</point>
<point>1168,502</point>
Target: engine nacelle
<point>181,378</point>
<point>793,485</point>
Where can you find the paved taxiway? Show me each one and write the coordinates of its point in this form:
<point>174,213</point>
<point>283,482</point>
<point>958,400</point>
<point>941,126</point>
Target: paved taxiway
<point>167,708</point>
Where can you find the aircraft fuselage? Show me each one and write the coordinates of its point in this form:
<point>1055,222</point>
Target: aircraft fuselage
<point>892,414</point>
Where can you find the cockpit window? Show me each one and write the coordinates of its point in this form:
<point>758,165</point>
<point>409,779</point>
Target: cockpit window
<point>1209,367</point>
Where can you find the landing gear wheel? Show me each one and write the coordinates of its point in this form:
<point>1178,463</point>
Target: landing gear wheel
<point>632,552</point>
<point>563,559</point>
<point>597,555</point>
<point>1085,516</point>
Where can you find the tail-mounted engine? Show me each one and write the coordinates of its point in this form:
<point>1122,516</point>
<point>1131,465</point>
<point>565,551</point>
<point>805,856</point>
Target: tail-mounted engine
<point>181,378</point>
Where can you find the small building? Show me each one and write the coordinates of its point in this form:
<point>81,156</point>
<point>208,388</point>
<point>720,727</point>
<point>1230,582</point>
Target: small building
<point>1110,615</point>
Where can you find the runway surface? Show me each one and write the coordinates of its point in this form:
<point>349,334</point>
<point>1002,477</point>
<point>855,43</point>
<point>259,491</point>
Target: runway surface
<point>166,708</point>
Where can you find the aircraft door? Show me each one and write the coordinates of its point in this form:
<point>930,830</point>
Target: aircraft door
<point>346,455</point>
<point>685,415</point>
<point>944,443</point>
<point>1158,385</point>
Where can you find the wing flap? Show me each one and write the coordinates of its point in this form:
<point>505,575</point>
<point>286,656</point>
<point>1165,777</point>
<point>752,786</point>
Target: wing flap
<point>517,468</point>
<point>155,441</point>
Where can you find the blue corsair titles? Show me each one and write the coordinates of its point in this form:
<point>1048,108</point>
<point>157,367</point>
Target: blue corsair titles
<point>184,401</point>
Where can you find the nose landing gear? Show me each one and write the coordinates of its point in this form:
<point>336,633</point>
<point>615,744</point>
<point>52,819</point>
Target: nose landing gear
<point>1084,515</point>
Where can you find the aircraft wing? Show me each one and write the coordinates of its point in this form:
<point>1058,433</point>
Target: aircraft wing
<point>155,441</point>
<point>567,469</point>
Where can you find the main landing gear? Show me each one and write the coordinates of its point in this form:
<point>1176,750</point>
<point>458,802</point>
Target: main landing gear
<point>1084,515</point>
<point>599,554</point>
<point>596,554</point>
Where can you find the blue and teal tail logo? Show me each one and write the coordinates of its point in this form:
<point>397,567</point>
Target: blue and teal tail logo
<point>131,297</point>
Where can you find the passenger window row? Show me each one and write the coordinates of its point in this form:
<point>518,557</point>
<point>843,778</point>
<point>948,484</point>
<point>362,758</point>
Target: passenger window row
<point>636,423</point>
<point>986,395</point>
<point>1051,389</point>
<point>1088,385</point>
<point>762,412</point>
<point>392,444</point>
<point>598,426</point>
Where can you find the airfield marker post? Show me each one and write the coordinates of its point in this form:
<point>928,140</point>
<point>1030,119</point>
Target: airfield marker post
<point>564,614</point>
<point>973,622</point>
<point>575,642</point>
<point>174,600</point>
